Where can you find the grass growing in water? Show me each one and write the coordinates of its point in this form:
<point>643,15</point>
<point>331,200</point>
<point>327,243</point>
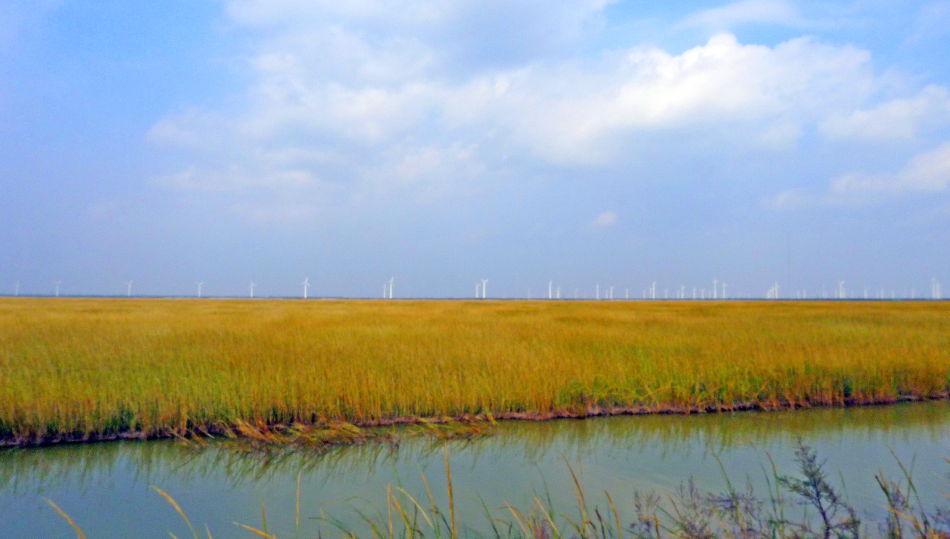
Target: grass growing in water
<point>805,505</point>
<point>77,369</point>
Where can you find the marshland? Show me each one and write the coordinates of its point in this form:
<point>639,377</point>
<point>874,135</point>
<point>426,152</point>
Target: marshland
<point>88,369</point>
<point>378,391</point>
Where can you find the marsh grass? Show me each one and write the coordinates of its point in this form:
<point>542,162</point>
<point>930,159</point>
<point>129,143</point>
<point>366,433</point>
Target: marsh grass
<point>90,369</point>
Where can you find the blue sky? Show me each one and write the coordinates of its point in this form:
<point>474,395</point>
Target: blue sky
<point>441,142</point>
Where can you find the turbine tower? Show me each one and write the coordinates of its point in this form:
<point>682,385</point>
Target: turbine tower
<point>484,288</point>
<point>715,289</point>
<point>250,289</point>
<point>653,290</point>
<point>306,287</point>
<point>392,285</point>
<point>201,284</point>
<point>841,291</point>
<point>128,289</point>
<point>936,291</point>
<point>16,288</point>
<point>56,287</point>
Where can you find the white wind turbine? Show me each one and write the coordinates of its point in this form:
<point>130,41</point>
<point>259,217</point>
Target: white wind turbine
<point>201,285</point>
<point>392,286</point>
<point>715,290</point>
<point>128,289</point>
<point>484,288</point>
<point>478,290</point>
<point>56,285</point>
<point>16,288</point>
<point>550,289</point>
<point>936,291</point>
<point>250,289</point>
<point>653,290</point>
<point>842,293</point>
<point>306,287</point>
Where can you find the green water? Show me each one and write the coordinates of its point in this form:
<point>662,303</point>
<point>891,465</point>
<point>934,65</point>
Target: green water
<point>105,487</point>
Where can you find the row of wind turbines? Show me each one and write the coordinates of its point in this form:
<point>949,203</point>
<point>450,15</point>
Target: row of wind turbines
<point>718,291</point>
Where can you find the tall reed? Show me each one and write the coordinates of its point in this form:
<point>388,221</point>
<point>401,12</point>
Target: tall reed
<point>75,369</point>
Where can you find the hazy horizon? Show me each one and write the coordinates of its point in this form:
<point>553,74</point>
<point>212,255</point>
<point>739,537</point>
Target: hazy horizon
<point>619,143</point>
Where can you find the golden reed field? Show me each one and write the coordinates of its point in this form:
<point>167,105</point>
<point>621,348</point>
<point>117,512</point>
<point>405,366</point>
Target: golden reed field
<point>83,369</point>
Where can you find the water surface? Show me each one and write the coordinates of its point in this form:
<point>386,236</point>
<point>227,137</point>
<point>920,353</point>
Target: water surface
<point>105,486</point>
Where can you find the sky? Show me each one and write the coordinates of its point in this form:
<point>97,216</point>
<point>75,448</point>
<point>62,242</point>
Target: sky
<point>445,141</point>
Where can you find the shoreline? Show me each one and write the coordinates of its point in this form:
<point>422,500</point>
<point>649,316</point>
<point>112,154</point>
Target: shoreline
<point>346,436</point>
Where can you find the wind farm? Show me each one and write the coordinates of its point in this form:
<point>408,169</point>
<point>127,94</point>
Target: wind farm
<point>717,291</point>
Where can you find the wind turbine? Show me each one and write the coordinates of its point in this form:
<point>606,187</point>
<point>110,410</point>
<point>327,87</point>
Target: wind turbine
<point>392,285</point>
<point>484,288</point>
<point>723,284</point>
<point>128,289</point>
<point>935,289</point>
<point>201,284</point>
<point>16,288</point>
<point>550,289</point>
<point>306,287</point>
<point>715,289</point>
<point>56,287</point>
<point>597,291</point>
<point>478,290</point>
<point>841,291</point>
<point>250,289</point>
<point>653,290</point>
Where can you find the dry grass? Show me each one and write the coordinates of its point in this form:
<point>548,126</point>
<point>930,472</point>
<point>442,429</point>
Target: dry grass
<point>101,368</point>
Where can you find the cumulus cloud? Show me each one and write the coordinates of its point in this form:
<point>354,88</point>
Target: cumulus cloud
<point>367,97</point>
<point>893,120</point>
<point>926,172</point>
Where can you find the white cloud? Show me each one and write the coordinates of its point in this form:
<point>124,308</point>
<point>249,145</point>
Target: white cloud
<point>368,97</point>
<point>743,12</point>
<point>893,120</point>
<point>926,172</point>
<point>605,219</point>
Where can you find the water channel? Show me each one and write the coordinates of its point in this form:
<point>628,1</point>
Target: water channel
<point>105,486</point>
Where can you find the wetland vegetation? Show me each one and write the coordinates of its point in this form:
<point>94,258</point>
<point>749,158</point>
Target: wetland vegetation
<point>87,369</point>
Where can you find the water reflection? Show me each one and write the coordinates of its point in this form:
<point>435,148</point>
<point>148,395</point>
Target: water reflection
<point>26,470</point>
<point>619,454</point>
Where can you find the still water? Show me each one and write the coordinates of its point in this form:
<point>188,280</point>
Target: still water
<point>105,487</point>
